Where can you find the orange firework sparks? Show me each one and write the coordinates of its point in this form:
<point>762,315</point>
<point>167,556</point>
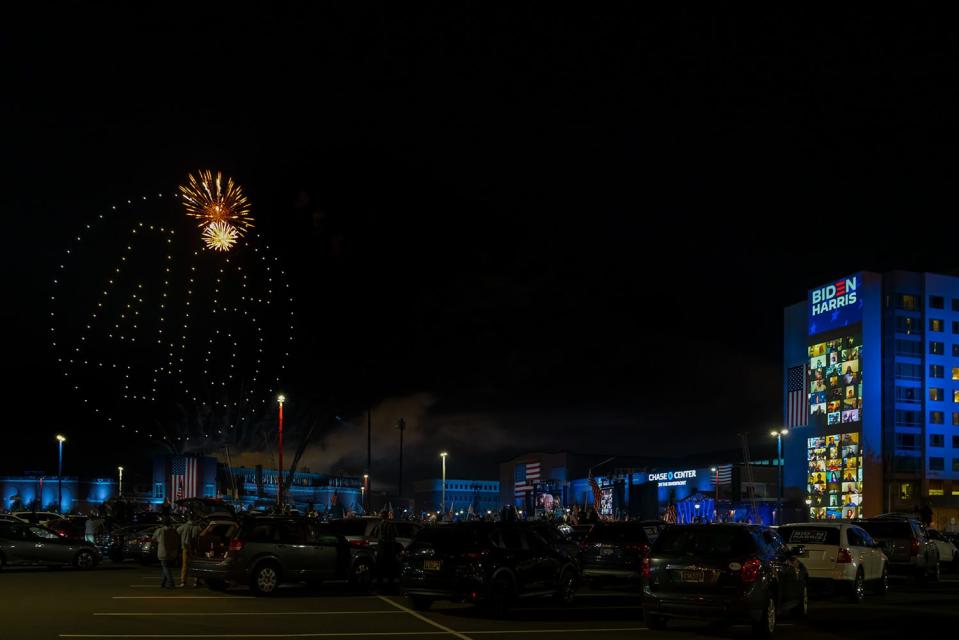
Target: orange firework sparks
<point>210,201</point>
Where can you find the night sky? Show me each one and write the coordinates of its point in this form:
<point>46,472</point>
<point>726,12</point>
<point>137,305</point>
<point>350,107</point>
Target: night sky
<point>519,228</point>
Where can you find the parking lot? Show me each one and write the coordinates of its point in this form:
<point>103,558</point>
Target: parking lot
<point>125,601</point>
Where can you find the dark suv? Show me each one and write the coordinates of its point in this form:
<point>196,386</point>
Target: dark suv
<point>726,572</point>
<point>268,551</point>
<point>615,550</point>
<point>485,563</point>
<point>906,544</point>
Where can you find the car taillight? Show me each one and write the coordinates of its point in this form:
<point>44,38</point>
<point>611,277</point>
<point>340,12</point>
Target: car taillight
<point>638,549</point>
<point>476,555</point>
<point>844,556</point>
<point>646,571</point>
<point>361,542</point>
<point>236,544</point>
<point>750,570</point>
<point>914,547</point>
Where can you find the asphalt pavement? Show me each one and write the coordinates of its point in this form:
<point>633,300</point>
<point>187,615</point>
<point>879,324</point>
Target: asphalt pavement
<point>125,601</point>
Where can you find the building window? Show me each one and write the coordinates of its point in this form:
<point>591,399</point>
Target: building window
<point>906,301</point>
<point>955,326</point>
<point>955,465</point>
<point>908,418</point>
<point>935,394</point>
<point>906,441</point>
<point>936,302</point>
<point>955,304</point>
<point>907,325</point>
<point>905,491</point>
<point>955,419</point>
<point>937,440</point>
<point>955,442</point>
<point>935,488</point>
<point>937,348</point>
<point>904,371</point>
<point>908,395</point>
<point>935,417</point>
<point>936,463</point>
<point>937,371</point>
<point>936,324</point>
<point>909,348</point>
<point>955,350</point>
<point>955,395</point>
<point>158,490</point>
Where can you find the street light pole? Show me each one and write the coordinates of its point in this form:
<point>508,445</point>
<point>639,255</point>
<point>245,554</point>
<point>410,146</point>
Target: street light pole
<point>60,440</point>
<point>279,487</point>
<point>443,456</point>
<point>120,487</point>
<point>779,459</point>
<point>715,470</point>
<point>401,425</point>
<point>366,492</point>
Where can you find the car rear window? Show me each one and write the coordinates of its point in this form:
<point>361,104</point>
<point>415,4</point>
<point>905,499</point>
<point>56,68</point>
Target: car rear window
<point>811,535</point>
<point>889,529</point>
<point>619,534</point>
<point>350,527</point>
<point>452,537</point>
<point>704,541</point>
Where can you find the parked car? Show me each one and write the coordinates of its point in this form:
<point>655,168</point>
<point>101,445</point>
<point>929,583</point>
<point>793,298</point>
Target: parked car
<point>9,517</point>
<point>485,563</point>
<point>841,555</point>
<point>269,551</point>
<point>366,531</point>
<point>558,536</point>
<point>726,572</point>
<point>948,554</point>
<point>34,545</point>
<point>906,544</point>
<point>38,517</point>
<point>615,550</point>
<point>68,527</point>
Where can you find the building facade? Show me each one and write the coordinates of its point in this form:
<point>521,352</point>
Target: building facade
<point>871,395</point>
<point>38,492</point>
<point>481,495</point>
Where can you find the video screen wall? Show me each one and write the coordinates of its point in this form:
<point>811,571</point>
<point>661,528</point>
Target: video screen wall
<point>835,381</point>
<point>835,476</point>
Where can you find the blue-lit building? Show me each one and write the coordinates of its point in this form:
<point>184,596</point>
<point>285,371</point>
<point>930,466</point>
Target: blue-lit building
<point>481,495</point>
<point>871,391</point>
<point>34,491</point>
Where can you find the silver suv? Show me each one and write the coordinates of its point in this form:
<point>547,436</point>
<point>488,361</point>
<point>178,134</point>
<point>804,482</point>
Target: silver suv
<point>907,545</point>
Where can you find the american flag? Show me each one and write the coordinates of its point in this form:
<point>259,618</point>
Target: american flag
<point>797,401</point>
<point>183,477</point>
<point>723,474</point>
<point>526,474</point>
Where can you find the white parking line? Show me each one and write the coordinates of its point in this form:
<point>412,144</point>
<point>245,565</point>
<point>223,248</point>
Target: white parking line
<point>144,586</point>
<point>254,635</point>
<point>255,613</point>
<point>184,597</point>
<point>515,631</point>
<point>425,619</point>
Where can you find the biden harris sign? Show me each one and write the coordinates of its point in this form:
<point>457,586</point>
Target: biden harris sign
<point>835,305</point>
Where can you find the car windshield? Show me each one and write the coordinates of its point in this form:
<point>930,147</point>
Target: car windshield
<point>810,535</point>
<point>704,541</point>
<point>887,528</point>
<point>451,538</point>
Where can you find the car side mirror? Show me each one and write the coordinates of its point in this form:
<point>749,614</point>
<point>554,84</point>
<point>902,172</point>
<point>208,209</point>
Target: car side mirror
<point>798,550</point>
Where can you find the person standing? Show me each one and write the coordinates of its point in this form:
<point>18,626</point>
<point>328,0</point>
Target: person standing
<point>168,545</point>
<point>189,533</point>
<point>90,528</point>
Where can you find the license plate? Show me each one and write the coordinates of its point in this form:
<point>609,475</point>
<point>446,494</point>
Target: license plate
<point>431,565</point>
<point>692,576</point>
<point>607,551</point>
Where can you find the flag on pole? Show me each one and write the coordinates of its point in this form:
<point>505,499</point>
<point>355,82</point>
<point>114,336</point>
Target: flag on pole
<point>797,400</point>
<point>184,477</point>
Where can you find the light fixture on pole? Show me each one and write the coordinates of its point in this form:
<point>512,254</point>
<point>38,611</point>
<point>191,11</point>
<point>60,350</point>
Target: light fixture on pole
<point>60,440</point>
<point>120,486</point>
<point>279,486</point>
<point>779,461</point>
<point>443,456</point>
<point>366,491</point>
<point>715,471</point>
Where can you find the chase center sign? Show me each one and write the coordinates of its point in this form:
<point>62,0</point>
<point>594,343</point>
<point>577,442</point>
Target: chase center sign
<point>672,478</point>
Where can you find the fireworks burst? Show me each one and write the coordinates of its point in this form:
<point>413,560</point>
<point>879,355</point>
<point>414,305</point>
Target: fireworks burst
<point>220,236</point>
<point>207,200</point>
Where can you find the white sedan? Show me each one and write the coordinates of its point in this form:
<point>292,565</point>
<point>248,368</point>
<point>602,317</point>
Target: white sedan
<point>948,554</point>
<point>841,554</point>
